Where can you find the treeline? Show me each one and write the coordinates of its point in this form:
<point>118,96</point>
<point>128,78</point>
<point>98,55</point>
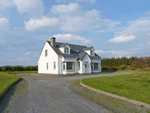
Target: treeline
<point>115,62</point>
<point>126,63</point>
<point>19,68</point>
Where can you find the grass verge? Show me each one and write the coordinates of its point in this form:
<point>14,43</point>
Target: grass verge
<point>6,80</point>
<point>114,105</point>
<point>134,86</point>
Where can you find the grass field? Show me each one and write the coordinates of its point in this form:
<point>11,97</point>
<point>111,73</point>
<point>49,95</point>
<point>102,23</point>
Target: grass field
<point>134,86</point>
<point>6,80</point>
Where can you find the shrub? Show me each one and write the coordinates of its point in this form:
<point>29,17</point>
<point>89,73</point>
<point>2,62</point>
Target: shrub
<point>132,68</point>
<point>7,68</point>
<point>18,68</point>
<point>122,67</point>
<point>104,68</point>
<point>0,68</point>
<point>30,68</point>
<point>114,69</point>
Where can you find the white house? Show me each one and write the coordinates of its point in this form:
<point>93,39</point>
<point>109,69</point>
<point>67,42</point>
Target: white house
<point>64,58</point>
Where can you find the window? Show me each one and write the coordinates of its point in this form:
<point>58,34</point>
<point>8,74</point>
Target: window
<point>79,65</point>
<point>64,65</point>
<point>95,65</point>
<point>92,52</point>
<point>47,66</point>
<point>54,65</point>
<point>70,66</point>
<point>92,67</point>
<point>66,50</point>
<point>46,53</point>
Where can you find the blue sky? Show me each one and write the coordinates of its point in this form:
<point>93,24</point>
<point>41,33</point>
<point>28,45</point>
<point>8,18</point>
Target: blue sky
<point>115,28</point>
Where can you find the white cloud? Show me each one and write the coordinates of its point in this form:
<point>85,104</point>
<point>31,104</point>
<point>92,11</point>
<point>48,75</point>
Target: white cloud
<point>27,53</point>
<point>71,8</point>
<point>4,22</point>
<point>122,39</point>
<point>70,38</point>
<point>148,42</point>
<point>113,53</point>
<point>110,23</point>
<point>42,23</point>
<point>88,21</point>
<point>6,3</point>
<point>87,1</point>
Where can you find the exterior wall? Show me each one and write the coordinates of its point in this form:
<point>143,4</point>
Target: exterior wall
<point>88,52</point>
<point>50,59</point>
<point>88,60</point>
<point>61,49</point>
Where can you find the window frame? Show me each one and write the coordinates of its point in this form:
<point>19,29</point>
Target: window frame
<point>93,66</point>
<point>97,66</point>
<point>73,67</point>
<point>54,65</point>
<point>79,65</point>
<point>46,53</point>
<point>46,66</point>
<point>66,50</point>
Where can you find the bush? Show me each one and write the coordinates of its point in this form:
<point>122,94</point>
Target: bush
<point>31,68</point>
<point>0,68</point>
<point>7,68</point>
<point>122,67</point>
<point>132,68</point>
<point>114,69</point>
<point>18,68</point>
<point>104,68</point>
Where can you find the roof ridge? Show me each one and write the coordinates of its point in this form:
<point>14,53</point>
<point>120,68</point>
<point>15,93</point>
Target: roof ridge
<point>69,44</point>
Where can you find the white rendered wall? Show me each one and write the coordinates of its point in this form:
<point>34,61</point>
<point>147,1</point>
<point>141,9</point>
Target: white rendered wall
<point>50,59</point>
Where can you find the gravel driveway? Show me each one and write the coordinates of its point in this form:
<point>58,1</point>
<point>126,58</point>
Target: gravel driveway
<point>49,95</point>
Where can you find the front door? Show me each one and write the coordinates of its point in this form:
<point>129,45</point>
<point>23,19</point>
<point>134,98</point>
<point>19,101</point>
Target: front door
<point>86,67</point>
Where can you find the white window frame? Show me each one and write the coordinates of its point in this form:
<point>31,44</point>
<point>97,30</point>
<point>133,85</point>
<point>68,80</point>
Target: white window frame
<point>73,66</point>
<point>46,66</point>
<point>79,65</point>
<point>66,50</point>
<point>94,65</point>
<point>46,53</point>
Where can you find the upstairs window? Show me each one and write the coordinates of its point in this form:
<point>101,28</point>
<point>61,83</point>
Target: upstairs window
<point>46,52</point>
<point>67,50</point>
<point>92,52</point>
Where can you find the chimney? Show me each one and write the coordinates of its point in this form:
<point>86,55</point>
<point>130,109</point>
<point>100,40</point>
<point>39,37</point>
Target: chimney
<point>53,41</point>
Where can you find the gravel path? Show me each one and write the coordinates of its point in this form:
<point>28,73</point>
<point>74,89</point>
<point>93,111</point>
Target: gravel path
<point>49,95</point>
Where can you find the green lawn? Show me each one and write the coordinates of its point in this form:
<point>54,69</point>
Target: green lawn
<point>6,80</point>
<point>135,86</point>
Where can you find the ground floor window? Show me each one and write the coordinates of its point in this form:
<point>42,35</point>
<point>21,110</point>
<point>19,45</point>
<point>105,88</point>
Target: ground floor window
<point>79,65</point>
<point>70,65</point>
<point>94,66</point>
<point>47,66</point>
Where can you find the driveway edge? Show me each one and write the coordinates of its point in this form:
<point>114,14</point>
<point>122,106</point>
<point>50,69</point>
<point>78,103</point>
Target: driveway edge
<point>8,89</point>
<point>117,97</point>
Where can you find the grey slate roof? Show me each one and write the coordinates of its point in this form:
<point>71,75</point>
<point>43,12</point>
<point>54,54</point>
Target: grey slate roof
<point>88,48</point>
<point>77,51</point>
